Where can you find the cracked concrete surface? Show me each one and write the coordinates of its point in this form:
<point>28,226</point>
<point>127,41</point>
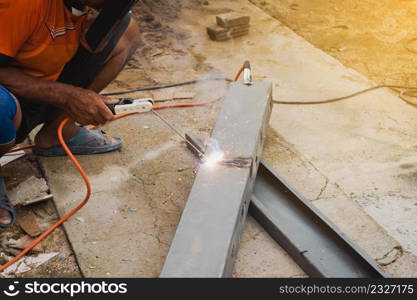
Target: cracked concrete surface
<point>354,159</point>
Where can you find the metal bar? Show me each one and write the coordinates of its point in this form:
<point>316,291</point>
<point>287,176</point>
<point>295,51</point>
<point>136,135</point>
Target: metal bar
<point>317,263</point>
<point>312,240</point>
<point>208,234</point>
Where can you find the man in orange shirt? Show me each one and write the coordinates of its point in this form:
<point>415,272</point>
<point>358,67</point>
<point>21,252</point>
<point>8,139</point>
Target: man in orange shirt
<point>40,78</point>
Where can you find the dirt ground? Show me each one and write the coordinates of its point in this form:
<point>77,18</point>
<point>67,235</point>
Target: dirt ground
<point>62,265</point>
<point>374,37</point>
<point>378,38</point>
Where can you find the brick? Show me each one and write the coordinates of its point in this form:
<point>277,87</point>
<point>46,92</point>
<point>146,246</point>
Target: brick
<point>218,33</point>
<point>225,37</point>
<point>232,19</point>
<point>220,30</point>
<point>229,37</point>
<point>27,221</point>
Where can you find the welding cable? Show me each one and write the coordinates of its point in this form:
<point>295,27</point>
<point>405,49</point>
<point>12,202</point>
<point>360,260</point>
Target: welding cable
<point>403,91</point>
<point>83,175</point>
<point>67,216</point>
<point>119,116</point>
<point>239,73</point>
<point>407,92</point>
<point>166,86</point>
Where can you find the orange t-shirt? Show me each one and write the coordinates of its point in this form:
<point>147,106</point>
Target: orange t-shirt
<point>41,35</point>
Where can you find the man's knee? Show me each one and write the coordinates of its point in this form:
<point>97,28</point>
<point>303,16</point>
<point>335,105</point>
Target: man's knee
<point>129,42</point>
<point>8,111</point>
<point>133,35</point>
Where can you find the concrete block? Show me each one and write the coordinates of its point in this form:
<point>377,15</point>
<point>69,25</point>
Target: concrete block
<point>232,19</point>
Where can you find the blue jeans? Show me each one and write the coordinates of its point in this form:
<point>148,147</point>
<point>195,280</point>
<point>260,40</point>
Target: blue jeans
<point>8,109</point>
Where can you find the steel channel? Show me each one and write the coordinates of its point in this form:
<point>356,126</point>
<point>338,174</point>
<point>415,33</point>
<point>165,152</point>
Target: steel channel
<point>309,237</point>
<point>208,234</point>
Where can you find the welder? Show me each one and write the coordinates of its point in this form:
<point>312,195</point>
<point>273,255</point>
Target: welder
<point>39,45</point>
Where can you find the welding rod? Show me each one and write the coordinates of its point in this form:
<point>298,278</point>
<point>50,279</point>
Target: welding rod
<point>177,132</point>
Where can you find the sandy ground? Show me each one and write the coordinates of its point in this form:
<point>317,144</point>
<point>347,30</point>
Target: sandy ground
<point>375,37</point>
<point>140,192</point>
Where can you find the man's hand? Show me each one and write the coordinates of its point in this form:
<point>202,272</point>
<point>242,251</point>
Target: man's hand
<point>83,106</point>
<point>86,107</point>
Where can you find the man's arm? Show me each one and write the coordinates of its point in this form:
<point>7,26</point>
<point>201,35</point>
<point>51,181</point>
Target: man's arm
<point>81,105</point>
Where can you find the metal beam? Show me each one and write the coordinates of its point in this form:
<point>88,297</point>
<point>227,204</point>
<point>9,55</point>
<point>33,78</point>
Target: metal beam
<point>208,234</point>
<point>312,240</point>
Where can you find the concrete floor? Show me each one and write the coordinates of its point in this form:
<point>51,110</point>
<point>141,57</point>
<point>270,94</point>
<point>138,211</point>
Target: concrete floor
<point>355,160</point>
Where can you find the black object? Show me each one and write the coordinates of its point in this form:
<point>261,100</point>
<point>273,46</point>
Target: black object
<point>75,3</point>
<point>6,205</point>
<point>5,60</point>
<point>85,65</point>
<point>167,86</point>
<point>111,15</point>
<point>102,37</point>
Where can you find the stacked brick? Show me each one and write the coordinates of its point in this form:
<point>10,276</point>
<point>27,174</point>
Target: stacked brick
<point>229,26</point>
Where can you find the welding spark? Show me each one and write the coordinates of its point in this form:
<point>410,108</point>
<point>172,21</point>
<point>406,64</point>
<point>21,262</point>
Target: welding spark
<point>214,158</point>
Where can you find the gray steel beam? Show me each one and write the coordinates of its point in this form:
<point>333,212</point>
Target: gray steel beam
<point>208,234</point>
<point>312,240</point>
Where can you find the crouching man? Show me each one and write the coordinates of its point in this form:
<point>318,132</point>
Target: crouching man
<point>39,65</point>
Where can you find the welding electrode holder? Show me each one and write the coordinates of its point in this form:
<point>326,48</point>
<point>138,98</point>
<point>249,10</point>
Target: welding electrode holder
<point>130,105</point>
<point>122,101</point>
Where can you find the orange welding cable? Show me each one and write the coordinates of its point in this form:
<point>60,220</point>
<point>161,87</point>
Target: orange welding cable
<point>84,176</point>
<point>186,104</point>
<point>119,116</point>
<point>129,114</point>
<point>239,73</point>
<point>66,217</point>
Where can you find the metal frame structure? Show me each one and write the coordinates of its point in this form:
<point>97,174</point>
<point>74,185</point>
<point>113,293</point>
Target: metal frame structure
<point>208,234</point>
